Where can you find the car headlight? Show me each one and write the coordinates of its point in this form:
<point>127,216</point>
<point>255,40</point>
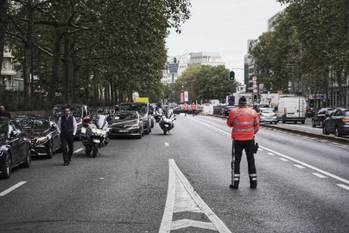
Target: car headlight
<point>42,140</point>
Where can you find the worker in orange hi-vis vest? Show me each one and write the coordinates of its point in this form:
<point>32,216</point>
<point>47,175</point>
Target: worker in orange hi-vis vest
<point>245,124</point>
<point>193,108</point>
<point>185,107</point>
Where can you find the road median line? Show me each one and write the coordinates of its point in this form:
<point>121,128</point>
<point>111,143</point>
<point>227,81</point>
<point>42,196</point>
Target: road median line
<point>12,188</point>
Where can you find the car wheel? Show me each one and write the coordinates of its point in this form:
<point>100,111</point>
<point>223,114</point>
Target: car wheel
<point>324,130</point>
<point>6,173</point>
<point>338,132</point>
<point>28,159</point>
<point>94,151</point>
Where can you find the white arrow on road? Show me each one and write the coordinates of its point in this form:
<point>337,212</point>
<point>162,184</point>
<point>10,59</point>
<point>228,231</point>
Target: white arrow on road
<point>181,197</point>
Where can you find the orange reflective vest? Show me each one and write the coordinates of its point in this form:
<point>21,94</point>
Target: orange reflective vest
<point>185,107</point>
<point>193,107</point>
<point>245,123</point>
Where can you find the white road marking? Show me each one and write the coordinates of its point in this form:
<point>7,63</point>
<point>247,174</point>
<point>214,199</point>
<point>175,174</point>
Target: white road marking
<point>329,174</point>
<point>283,159</point>
<point>167,144</point>
<point>298,166</point>
<point>78,150</point>
<point>181,197</point>
<point>101,178</point>
<point>319,175</point>
<point>269,153</point>
<point>343,186</point>
<point>7,191</point>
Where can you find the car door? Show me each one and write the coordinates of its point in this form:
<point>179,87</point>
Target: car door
<point>14,142</point>
<point>23,145</point>
<point>333,120</point>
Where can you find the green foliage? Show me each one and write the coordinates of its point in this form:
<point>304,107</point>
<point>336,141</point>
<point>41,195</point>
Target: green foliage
<point>310,41</point>
<point>93,49</point>
<point>205,82</point>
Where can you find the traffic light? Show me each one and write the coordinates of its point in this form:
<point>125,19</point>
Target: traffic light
<point>232,76</point>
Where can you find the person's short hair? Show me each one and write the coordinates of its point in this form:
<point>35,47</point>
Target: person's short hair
<point>66,107</point>
<point>242,101</point>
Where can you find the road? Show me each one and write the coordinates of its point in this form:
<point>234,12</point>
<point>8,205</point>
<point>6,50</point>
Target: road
<point>180,182</point>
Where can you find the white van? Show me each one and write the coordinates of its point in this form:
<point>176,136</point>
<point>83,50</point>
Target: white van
<point>291,108</point>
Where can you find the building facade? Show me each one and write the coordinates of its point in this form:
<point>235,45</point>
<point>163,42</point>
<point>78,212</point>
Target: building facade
<point>249,67</point>
<point>178,64</point>
<point>9,80</point>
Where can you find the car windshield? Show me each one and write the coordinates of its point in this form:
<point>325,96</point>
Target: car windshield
<point>34,123</point>
<point>267,110</point>
<point>3,128</point>
<point>141,108</point>
<point>125,116</point>
<point>346,113</point>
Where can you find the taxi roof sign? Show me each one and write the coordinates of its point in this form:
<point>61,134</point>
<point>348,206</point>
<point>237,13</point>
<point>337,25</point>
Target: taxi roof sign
<point>144,100</point>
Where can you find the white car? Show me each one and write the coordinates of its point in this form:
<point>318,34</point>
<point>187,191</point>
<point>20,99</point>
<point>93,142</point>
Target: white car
<point>268,115</point>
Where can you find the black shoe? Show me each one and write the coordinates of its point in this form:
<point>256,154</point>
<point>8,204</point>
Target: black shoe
<point>253,185</point>
<point>232,186</point>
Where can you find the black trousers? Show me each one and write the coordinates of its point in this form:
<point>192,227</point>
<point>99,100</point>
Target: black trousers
<point>67,147</point>
<point>238,147</point>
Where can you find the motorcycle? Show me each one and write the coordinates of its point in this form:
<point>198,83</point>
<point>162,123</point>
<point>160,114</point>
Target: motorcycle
<point>167,123</point>
<point>94,135</point>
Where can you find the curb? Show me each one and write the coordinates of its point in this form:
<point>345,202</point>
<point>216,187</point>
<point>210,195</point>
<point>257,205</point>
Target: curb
<point>305,133</point>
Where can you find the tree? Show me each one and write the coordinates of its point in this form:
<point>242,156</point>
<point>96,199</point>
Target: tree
<point>205,83</point>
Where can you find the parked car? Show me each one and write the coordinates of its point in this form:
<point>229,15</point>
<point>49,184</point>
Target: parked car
<point>43,134</point>
<point>14,147</point>
<point>227,109</point>
<point>144,112</point>
<point>337,123</point>
<point>126,123</point>
<point>320,116</point>
<point>267,115</point>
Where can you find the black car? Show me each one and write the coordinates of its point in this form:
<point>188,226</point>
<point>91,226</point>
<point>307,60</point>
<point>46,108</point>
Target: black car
<point>337,123</point>
<point>144,112</point>
<point>43,133</point>
<point>14,147</point>
<point>320,116</point>
<point>126,123</point>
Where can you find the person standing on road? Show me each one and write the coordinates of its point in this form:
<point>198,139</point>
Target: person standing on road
<point>185,107</point>
<point>67,128</point>
<point>193,108</point>
<point>245,124</point>
<point>4,113</point>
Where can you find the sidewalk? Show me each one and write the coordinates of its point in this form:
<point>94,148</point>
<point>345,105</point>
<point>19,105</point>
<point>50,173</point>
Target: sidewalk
<point>306,130</point>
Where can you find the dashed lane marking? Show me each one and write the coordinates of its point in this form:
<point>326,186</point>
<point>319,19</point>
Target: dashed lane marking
<point>283,159</point>
<point>16,186</point>
<point>269,153</point>
<point>343,186</point>
<point>319,175</point>
<point>78,150</point>
<point>298,166</point>
<point>329,174</point>
<point>182,198</point>
<point>167,144</point>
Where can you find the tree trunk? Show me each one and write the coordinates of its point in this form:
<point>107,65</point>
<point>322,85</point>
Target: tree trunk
<point>55,63</point>
<point>3,26</point>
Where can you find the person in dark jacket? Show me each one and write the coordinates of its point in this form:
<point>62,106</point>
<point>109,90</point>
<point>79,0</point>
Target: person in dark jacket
<point>67,128</point>
<point>4,113</point>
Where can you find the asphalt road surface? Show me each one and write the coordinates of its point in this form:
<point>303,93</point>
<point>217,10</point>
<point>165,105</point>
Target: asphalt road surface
<point>179,183</point>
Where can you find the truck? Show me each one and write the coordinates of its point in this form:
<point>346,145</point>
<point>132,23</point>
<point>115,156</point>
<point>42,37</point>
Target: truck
<point>291,109</point>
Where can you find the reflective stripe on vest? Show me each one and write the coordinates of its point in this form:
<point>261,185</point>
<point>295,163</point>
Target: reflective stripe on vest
<point>243,130</point>
<point>243,123</point>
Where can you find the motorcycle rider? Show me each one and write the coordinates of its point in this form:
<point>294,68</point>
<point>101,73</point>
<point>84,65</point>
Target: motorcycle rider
<point>245,124</point>
<point>67,128</point>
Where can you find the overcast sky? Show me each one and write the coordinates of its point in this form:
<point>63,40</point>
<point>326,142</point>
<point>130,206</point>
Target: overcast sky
<point>223,26</point>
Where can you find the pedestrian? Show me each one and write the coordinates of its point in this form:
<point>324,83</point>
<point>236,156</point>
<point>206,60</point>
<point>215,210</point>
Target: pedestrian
<point>67,128</point>
<point>185,109</point>
<point>3,112</point>
<point>193,108</point>
<point>245,124</point>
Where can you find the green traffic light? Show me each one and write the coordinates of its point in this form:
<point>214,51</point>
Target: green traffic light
<point>232,76</point>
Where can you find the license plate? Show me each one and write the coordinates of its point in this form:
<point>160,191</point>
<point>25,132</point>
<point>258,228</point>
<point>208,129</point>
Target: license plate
<point>96,141</point>
<point>122,131</point>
